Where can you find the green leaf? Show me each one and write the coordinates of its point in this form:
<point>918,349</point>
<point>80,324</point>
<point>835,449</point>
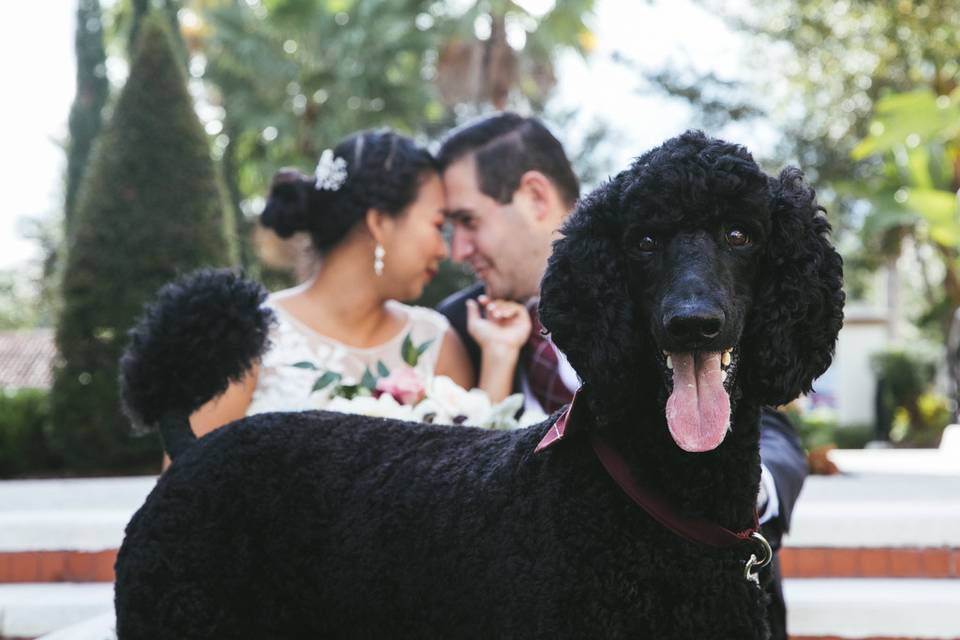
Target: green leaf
<point>423,347</point>
<point>408,352</point>
<point>935,205</point>
<point>305,365</point>
<point>901,115</point>
<point>325,380</point>
<point>382,369</point>
<point>918,166</point>
<point>349,391</point>
<point>368,380</point>
<point>938,208</point>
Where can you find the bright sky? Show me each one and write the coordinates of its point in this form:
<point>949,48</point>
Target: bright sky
<point>36,43</point>
<point>653,35</point>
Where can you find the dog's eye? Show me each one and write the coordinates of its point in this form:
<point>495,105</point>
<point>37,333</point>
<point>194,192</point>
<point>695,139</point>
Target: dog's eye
<point>738,238</point>
<point>647,243</point>
<point>639,244</point>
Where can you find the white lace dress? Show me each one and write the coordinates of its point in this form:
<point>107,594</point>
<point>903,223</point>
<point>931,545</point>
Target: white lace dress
<point>284,387</point>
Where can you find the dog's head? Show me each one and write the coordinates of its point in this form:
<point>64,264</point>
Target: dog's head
<point>695,277</point>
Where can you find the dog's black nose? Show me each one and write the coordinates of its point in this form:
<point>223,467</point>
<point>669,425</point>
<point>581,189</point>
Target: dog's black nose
<point>695,325</point>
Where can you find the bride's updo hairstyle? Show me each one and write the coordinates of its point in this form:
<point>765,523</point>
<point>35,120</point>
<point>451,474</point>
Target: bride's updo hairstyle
<point>383,171</point>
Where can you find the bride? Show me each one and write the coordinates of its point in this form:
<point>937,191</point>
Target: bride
<point>374,210</point>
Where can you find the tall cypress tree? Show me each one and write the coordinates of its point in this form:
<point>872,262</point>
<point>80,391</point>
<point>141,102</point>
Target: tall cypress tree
<point>140,9</point>
<point>151,207</point>
<point>92,91</point>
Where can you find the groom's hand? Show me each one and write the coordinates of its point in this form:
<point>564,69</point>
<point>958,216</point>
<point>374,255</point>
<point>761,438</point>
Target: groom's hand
<point>502,325</point>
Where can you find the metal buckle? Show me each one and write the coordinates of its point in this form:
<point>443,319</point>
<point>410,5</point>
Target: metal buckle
<point>753,565</point>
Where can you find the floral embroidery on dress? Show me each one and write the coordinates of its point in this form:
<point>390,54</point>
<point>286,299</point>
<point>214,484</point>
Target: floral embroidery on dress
<point>303,370</point>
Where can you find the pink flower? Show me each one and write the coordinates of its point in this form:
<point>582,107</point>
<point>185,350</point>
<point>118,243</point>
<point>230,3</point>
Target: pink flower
<point>404,384</point>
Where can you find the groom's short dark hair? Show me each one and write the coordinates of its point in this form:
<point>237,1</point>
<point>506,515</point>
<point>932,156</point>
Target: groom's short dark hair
<point>504,147</point>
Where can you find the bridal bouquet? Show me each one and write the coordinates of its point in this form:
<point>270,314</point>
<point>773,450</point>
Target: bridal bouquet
<point>406,394</point>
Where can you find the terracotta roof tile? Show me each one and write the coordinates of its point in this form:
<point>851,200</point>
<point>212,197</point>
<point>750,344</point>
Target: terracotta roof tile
<point>26,358</point>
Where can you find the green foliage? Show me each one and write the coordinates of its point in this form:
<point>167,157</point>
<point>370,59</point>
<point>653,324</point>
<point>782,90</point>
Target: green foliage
<point>933,411</point>
<point>134,12</point>
<point>919,413</point>
<point>907,375</point>
<point>24,422</point>
<point>818,429</point>
<point>870,112</point>
<point>92,92</point>
<point>840,58</point>
<point>19,306</point>
<point>150,208</point>
<point>296,76</point>
<point>914,147</point>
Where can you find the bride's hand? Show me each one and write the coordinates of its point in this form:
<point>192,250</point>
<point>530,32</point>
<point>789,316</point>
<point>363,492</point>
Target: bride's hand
<point>503,325</point>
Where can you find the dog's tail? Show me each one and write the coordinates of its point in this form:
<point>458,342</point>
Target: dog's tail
<point>203,331</point>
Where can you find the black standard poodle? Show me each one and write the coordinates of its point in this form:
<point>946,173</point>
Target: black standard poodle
<point>688,291</point>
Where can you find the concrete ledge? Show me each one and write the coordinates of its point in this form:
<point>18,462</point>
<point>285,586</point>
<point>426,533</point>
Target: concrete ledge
<point>929,462</point>
<point>31,610</point>
<point>75,530</point>
<point>99,628</point>
<point>68,515</point>
<point>871,510</point>
<point>836,608</point>
<point>865,608</point>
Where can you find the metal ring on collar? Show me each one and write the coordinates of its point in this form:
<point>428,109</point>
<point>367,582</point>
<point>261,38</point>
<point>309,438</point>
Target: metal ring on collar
<point>764,547</point>
<point>752,564</point>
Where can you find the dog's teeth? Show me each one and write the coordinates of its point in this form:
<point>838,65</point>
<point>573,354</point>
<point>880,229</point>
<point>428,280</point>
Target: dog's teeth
<point>729,428</point>
<point>723,376</point>
<point>669,362</point>
<point>725,360</point>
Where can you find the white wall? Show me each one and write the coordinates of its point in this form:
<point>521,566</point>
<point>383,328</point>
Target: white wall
<point>848,387</point>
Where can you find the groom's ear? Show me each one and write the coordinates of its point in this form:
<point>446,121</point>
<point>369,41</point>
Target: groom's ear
<point>536,192</point>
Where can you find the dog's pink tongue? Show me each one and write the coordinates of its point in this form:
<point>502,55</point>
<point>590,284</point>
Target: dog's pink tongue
<point>698,410</point>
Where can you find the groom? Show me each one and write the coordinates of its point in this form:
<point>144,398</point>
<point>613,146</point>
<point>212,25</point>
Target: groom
<point>509,187</point>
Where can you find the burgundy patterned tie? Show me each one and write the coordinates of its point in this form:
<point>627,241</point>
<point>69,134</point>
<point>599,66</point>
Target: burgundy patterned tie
<point>543,367</point>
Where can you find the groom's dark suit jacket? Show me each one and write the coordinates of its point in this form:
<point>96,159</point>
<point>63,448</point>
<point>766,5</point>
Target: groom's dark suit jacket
<point>780,451</point>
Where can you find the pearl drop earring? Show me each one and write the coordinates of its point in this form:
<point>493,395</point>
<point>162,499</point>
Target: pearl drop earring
<point>378,254</point>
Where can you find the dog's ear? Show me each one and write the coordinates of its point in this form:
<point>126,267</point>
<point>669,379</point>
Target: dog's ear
<point>583,296</point>
<point>798,307</point>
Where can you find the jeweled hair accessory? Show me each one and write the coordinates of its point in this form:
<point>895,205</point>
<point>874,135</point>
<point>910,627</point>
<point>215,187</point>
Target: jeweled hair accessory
<point>331,172</point>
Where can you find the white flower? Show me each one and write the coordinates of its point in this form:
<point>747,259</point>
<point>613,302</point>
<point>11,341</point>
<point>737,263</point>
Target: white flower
<point>446,402</point>
<point>383,407</point>
<point>501,415</point>
<point>456,401</point>
<point>531,417</point>
<point>428,410</point>
<point>331,172</point>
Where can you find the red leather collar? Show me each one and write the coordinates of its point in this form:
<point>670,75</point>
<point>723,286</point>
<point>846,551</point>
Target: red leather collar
<point>693,529</point>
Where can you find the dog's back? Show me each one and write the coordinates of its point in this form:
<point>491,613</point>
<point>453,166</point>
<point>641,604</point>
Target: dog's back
<point>326,525</point>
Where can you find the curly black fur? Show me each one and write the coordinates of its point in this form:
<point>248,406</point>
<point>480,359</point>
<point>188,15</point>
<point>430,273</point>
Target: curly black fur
<point>203,331</point>
<point>694,182</point>
<point>323,525</point>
